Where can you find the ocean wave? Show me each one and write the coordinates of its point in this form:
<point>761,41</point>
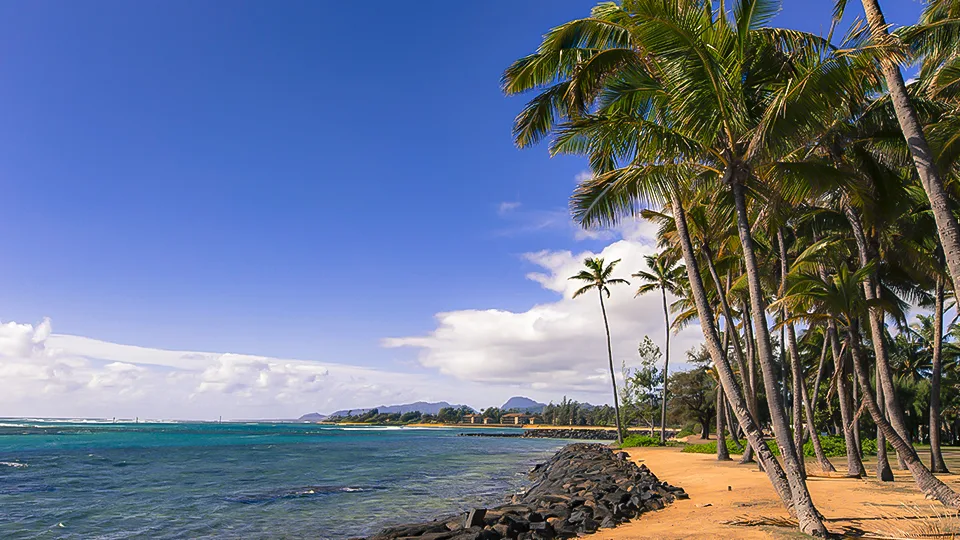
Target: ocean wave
<point>388,428</point>
<point>14,464</point>
<point>372,428</point>
<point>296,493</point>
<point>2,424</point>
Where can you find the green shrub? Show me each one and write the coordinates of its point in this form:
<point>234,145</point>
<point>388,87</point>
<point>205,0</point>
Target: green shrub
<point>732,448</point>
<point>640,440</point>
<point>834,446</point>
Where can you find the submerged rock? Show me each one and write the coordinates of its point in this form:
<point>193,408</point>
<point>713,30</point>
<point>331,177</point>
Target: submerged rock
<point>582,488</point>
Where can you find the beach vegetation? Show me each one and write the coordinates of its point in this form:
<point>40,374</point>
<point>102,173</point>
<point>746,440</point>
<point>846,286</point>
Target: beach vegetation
<point>633,441</point>
<point>693,395</point>
<point>809,192</point>
<point>641,392</point>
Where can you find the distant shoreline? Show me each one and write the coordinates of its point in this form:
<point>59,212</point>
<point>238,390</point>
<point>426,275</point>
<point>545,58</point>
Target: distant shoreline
<point>501,426</point>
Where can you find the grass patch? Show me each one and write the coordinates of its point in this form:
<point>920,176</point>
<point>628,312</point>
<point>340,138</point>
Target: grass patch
<point>637,440</point>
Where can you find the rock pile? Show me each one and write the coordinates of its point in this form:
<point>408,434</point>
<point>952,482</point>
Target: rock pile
<point>582,488</point>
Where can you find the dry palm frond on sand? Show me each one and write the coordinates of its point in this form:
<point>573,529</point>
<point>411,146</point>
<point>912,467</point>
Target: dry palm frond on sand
<point>761,521</point>
<point>918,522</point>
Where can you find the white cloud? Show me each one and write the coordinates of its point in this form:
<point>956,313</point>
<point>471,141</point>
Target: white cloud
<point>507,206</point>
<point>555,348</point>
<point>44,374</point>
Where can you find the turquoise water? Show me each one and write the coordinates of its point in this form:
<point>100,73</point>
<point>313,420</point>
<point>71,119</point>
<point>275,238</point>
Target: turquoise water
<point>232,480</point>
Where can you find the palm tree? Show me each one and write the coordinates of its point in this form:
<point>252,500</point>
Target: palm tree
<point>659,94</point>
<point>924,159</point>
<point>663,275</point>
<point>839,298</point>
<point>597,276</point>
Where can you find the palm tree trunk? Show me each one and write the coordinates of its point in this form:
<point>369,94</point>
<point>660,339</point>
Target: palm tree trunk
<point>823,362</point>
<point>856,419</point>
<point>923,159</point>
<point>936,455</point>
<point>751,372</point>
<point>795,372</point>
<point>807,515</point>
<point>613,378</point>
<point>727,380</point>
<point>884,474</point>
<point>929,484</point>
<point>825,464</point>
<point>722,453</point>
<point>737,347</point>
<point>800,388</point>
<point>666,368</point>
<point>870,291</point>
<point>854,462</point>
<point>733,427</point>
<point>728,318</point>
<point>728,331</point>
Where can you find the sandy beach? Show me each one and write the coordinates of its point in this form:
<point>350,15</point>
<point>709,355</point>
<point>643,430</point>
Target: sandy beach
<point>724,492</point>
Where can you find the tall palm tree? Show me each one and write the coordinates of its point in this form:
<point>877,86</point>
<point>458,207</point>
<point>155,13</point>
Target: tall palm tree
<point>597,276</point>
<point>665,276</point>
<point>839,298</point>
<point>924,159</point>
<point>660,93</point>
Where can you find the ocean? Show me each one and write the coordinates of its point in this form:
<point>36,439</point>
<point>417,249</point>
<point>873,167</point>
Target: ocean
<point>244,480</point>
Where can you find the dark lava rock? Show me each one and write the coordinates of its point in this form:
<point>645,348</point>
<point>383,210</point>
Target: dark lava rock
<point>582,488</point>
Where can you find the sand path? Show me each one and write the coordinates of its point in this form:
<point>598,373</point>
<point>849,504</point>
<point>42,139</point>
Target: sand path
<point>725,491</point>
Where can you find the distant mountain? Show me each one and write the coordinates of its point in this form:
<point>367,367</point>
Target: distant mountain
<point>312,417</point>
<point>524,404</point>
<point>422,407</point>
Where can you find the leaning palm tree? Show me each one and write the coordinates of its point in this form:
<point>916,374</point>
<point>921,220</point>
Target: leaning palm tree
<point>666,277</point>
<point>597,276</point>
<point>924,159</point>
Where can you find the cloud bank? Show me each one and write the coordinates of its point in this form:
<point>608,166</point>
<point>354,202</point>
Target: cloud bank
<point>50,375</point>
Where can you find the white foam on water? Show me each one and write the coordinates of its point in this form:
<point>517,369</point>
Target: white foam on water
<point>372,428</point>
<point>13,464</point>
<point>12,425</point>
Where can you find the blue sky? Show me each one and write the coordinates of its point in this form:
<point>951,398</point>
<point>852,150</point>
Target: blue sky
<point>293,180</point>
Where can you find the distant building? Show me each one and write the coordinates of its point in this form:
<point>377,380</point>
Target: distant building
<point>518,418</point>
<point>473,419</point>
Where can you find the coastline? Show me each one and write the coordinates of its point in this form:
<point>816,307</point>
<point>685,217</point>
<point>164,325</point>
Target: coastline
<point>531,431</point>
<point>583,488</point>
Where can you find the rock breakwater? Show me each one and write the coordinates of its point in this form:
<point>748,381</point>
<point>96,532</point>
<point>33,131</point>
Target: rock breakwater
<point>583,488</point>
